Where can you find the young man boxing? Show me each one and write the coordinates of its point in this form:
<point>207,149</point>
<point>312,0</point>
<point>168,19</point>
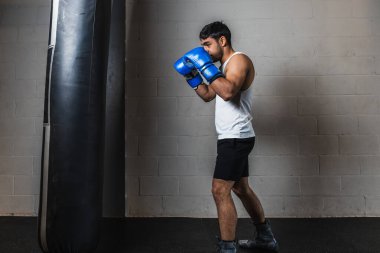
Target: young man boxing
<point>231,86</point>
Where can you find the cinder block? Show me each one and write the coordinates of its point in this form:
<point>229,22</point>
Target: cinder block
<point>361,185</point>
<point>346,65</point>
<point>29,107</point>
<point>249,10</point>
<point>267,186</point>
<point>131,145</point>
<point>19,15</point>
<point>370,165</point>
<point>293,9</point>
<point>189,206</point>
<point>288,66</point>
<point>333,46</point>
<point>263,46</point>
<point>144,12</point>
<point>195,185</point>
<point>194,146</point>
<point>339,165</point>
<point>154,106</point>
<point>31,70</point>
<point>6,146</point>
<point>141,126</point>
<point>26,185</point>
<point>141,166</point>
<point>160,31</point>
<point>343,206</point>
<point>337,125</point>
<point>359,104</point>
<point>17,52</point>
<point>318,145</point>
<point>174,87</point>
<point>375,26</point>
<point>359,145</point>
<point>16,165</point>
<point>194,106</point>
<point>6,185</point>
<point>348,27</point>
<point>283,165</point>
<point>43,15</point>
<point>317,105</point>
<point>296,126</point>
<point>27,146</point>
<point>17,88</point>
<point>186,30</point>
<point>366,8</point>
<point>308,27</point>
<point>17,205</point>
<point>7,70</point>
<point>261,27</point>
<point>303,206</point>
<point>8,33</point>
<point>291,46</point>
<point>156,68</point>
<point>143,206</point>
<point>142,50</point>
<point>275,106</point>
<point>264,125</point>
<point>276,145</point>
<point>7,108</point>
<point>186,126</point>
<point>332,9</point>
<point>17,127</point>
<point>173,165</point>
<point>161,145</point>
<point>36,165</point>
<point>369,125</point>
<point>159,185</point>
<point>273,206</point>
<point>335,85</point>
<point>323,185</point>
<point>141,87</point>
<point>284,86</point>
<point>31,34</point>
<point>372,206</point>
<point>367,85</point>
<point>132,185</point>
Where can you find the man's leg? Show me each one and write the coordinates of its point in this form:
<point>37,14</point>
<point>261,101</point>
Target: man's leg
<point>264,237</point>
<point>249,199</point>
<point>227,216</point>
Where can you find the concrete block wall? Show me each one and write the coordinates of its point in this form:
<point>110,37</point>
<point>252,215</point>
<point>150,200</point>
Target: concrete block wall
<point>24,31</point>
<point>316,111</point>
<point>316,108</point>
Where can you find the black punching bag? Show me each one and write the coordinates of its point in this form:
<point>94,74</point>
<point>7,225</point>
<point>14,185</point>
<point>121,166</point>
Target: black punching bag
<point>72,160</point>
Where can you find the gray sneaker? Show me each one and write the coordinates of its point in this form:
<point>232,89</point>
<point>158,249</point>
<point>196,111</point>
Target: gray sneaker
<point>225,247</point>
<point>264,238</point>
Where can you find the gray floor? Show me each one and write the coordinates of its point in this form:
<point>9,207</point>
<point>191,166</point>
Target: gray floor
<point>185,235</point>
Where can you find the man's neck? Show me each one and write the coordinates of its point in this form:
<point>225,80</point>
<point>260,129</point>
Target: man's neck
<point>228,51</point>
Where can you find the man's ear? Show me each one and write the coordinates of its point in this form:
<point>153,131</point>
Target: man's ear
<point>222,41</point>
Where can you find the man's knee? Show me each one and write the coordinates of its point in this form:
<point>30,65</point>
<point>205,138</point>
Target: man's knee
<point>241,190</point>
<point>220,190</point>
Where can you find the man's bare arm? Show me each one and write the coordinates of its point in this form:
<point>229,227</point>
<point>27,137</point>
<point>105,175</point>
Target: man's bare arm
<point>205,92</point>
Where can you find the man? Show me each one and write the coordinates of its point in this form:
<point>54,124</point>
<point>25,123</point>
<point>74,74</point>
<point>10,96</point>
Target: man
<point>232,88</point>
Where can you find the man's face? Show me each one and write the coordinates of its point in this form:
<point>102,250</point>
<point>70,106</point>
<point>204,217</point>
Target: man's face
<point>212,46</point>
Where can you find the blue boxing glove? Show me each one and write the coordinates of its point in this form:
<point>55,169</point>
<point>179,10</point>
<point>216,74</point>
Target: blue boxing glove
<point>203,62</point>
<point>188,70</point>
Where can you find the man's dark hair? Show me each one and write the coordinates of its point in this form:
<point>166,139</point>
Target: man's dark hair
<point>215,30</point>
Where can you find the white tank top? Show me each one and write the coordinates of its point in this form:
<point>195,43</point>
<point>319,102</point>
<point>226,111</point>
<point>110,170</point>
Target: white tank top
<point>233,118</point>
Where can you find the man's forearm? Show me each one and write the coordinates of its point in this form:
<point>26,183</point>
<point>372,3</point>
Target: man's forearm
<point>205,92</point>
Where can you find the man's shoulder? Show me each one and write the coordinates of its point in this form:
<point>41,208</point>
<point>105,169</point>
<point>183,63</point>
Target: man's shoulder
<point>240,60</point>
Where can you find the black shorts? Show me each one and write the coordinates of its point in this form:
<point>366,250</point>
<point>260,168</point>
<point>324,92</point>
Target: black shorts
<point>232,159</point>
